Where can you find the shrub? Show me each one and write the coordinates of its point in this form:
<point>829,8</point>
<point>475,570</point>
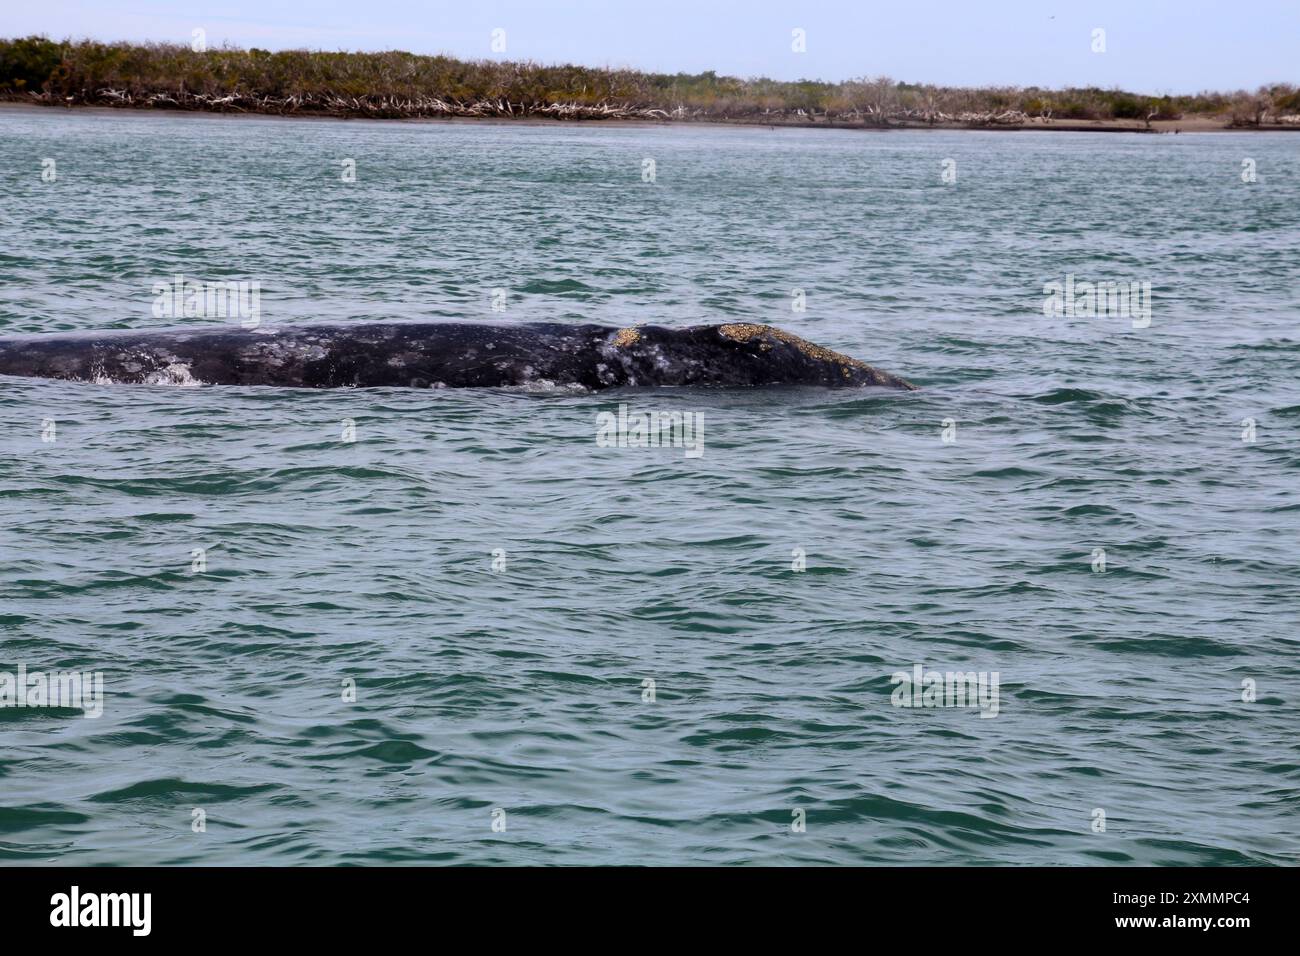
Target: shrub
<point>26,64</point>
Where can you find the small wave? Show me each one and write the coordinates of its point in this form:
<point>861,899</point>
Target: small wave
<point>555,286</point>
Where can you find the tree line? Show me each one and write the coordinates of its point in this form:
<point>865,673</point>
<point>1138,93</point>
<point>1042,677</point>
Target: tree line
<point>394,83</point>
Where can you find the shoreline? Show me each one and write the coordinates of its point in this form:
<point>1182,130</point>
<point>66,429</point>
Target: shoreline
<point>1193,124</point>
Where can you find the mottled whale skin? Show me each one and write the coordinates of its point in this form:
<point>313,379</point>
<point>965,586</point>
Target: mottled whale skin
<point>441,355</point>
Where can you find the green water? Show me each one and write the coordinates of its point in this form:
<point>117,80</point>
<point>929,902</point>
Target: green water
<point>518,694</point>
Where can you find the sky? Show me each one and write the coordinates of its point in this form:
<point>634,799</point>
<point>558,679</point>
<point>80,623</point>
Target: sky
<point>1152,46</point>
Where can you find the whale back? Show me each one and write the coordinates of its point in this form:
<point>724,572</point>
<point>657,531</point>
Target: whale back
<point>441,355</point>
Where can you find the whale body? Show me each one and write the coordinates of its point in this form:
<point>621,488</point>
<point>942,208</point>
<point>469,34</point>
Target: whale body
<point>441,355</point>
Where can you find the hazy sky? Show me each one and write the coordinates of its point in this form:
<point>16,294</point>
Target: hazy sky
<point>1151,45</point>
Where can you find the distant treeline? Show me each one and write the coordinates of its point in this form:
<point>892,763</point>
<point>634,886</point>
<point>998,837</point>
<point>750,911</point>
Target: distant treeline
<point>394,84</point>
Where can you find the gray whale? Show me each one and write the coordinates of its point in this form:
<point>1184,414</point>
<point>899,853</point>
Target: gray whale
<point>441,355</point>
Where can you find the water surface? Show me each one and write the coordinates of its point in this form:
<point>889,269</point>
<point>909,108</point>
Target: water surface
<point>522,689</point>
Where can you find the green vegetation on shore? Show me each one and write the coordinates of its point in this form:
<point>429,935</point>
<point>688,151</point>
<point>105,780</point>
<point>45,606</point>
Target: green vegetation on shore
<point>395,84</point>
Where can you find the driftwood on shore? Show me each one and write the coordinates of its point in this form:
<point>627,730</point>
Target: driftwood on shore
<point>418,107</point>
<point>378,106</point>
<point>397,107</point>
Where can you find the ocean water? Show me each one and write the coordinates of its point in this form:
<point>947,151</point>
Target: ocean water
<point>1103,516</point>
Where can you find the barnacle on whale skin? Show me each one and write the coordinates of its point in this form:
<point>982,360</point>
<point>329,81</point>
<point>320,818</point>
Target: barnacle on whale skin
<point>748,331</point>
<point>625,337</point>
